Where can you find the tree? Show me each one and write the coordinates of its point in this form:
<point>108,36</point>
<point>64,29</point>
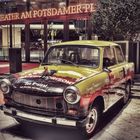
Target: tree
<point>117,19</point>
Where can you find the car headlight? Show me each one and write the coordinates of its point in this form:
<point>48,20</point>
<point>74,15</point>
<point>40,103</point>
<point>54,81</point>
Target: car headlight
<point>5,86</point>
<point>71,95</point>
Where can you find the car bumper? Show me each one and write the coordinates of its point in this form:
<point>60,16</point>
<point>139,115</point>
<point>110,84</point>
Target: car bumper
<point>41,119</point>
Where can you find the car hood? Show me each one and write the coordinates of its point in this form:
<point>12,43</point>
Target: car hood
<point>51,78</point>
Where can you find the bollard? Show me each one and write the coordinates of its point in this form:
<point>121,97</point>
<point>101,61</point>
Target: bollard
<point>15,61</point>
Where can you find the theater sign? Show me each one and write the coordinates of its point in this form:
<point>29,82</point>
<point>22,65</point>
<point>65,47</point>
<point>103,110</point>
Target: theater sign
<point>50,12</point>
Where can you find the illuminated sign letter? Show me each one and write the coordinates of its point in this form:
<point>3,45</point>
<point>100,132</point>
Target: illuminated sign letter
<point>49,12</point>
<point>73,9</point>
<point>54,11</point>
<point>66,10</point>
<point>93,7</point>
<point>87,8</point>
<point>2,18</point>
<point>60,11</point>
<point>44,12</point>
<point>79,9</point>
<point>40,13</point>
<point>35,13</point>
<point>16,16</point>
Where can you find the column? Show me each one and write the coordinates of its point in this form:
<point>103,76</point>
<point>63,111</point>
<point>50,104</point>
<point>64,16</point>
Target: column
<point>66,26</point>
<point>89,30</point>
<point>11,38</point>
<point>66,30</point>
<point>27,42</point>
<point>45,35</point>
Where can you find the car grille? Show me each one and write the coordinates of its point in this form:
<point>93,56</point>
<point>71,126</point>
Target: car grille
<point>55,103</point>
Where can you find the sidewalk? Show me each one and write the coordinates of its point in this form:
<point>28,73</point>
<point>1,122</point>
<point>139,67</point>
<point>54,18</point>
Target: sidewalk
<point>4,67</point>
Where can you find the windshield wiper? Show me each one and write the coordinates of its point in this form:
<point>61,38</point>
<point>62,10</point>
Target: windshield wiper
<point>61,59</point>
<point>65,60</point>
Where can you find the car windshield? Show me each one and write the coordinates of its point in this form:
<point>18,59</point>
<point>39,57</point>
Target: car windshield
<point>73,55</point>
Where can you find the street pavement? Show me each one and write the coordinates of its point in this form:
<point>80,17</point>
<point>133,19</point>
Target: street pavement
<point>119,123</point>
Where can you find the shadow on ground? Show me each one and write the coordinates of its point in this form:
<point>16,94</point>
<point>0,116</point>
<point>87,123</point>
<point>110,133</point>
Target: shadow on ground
<point>39,132</point>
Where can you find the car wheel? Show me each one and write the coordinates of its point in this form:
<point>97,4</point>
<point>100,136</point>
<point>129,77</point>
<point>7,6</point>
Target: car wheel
<point>92,121</point>
<point>127,93</point>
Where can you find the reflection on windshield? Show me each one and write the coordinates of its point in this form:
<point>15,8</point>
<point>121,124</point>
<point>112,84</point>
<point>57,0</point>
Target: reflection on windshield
<point>73,55</point>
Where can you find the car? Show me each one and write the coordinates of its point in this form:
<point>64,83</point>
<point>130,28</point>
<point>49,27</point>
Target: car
<point>75,84</point>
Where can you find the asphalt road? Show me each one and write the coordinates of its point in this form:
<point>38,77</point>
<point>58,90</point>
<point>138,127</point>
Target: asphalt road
<point>119,123</point>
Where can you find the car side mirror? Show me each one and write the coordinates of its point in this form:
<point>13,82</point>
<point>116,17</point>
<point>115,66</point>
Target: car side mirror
<point>106,69</point>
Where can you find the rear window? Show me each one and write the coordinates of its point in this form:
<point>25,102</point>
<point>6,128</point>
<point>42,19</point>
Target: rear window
<point>119,54</point>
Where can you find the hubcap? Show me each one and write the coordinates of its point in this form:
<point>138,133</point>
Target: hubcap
<point>91,121</point>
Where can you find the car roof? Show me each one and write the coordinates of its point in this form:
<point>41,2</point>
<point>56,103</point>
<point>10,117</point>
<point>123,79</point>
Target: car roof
<point>97,43</point>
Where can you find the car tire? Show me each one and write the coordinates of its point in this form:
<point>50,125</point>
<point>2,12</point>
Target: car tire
<point>92,121</point>
<point>127,93</point>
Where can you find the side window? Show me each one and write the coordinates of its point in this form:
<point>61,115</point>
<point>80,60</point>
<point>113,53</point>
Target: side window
<point>119,54</point>
<point>108,57</point>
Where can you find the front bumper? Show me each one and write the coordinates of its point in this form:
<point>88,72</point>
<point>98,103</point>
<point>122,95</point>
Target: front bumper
<point>41,119</point>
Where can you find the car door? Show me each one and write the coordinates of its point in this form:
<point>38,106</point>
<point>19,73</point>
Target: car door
<point>116,74</point>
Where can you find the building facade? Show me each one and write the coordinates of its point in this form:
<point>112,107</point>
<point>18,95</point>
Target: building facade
<point>33,24</point>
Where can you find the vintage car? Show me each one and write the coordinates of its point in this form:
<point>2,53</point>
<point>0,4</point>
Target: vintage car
<point>76,82</point>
